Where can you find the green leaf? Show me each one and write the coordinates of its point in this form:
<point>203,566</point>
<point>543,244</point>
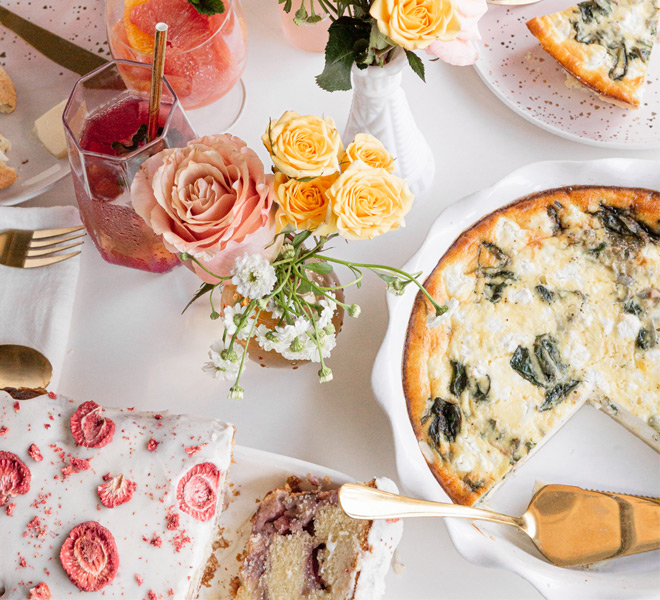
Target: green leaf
<point>416,64</point>
<point>208,7</point>
<point>322,268</point>
<point>377,39</point>
<point>204,289</point>
<point>300,238</point>
<point>346,35</point>
<point>386,278</point>
<point>287,5</point>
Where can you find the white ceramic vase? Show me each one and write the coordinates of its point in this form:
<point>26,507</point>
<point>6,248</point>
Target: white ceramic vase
<point>380,108</point>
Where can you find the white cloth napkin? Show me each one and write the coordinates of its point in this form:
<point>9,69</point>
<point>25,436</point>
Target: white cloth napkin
<point>36,305</point>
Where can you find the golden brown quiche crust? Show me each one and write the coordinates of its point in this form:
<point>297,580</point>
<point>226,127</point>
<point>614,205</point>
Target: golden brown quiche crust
<point>422,341</point>
<point>573,56</point>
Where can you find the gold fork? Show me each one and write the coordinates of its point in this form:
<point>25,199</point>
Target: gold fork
<point>27,249</point>
<point>570,526</point>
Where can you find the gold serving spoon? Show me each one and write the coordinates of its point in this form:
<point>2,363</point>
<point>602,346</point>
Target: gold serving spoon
<point>23,367</point>
<point>570,526</point>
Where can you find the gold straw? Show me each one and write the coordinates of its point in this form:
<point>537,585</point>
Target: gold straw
<point>157,71</point>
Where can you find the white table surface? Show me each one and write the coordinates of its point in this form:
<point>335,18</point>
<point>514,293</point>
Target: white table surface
<point>129,344</point>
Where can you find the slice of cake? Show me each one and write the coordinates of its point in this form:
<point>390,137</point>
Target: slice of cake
<point>303,546</point>
<point>605,44</point>
<point>113,502</point>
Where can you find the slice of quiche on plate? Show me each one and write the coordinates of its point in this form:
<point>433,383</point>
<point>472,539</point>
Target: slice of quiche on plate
<point>605,44</point>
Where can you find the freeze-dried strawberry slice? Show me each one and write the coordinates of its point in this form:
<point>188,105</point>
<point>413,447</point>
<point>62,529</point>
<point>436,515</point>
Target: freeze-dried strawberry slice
<point>40,591</point>
<point>14,476</point>
<point>116,491</point>
<point>89,556</point>
<point>197,492</point>
<point>35,453</point>
<point>89,427</point>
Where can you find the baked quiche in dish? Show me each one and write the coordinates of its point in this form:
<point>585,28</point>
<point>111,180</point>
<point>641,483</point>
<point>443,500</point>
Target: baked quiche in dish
<point>553,302</point>
<point>605,44</point>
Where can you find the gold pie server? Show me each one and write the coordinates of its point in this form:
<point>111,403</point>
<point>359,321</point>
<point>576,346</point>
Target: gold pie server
<point>570,526</point>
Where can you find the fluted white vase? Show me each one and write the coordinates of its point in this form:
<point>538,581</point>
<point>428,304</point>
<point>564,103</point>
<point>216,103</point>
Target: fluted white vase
<point>380,108</point>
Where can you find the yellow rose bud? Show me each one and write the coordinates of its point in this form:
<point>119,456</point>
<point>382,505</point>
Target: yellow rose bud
<point>304,204</point>
<point>416,24</point>
<point>303,146</point>
<point>370,151</point>
<point>367,202</point>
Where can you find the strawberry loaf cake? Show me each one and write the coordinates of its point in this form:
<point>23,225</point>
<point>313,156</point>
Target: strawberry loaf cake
<point>107,502</point>
<point>304,546</point>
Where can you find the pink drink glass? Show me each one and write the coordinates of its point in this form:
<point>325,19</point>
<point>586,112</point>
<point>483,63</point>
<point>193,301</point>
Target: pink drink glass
<point>104,109</point>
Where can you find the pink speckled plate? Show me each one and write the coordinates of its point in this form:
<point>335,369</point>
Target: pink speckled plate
<point>515,67</point>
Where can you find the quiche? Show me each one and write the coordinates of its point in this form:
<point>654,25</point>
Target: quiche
<point>553,301</point>
<point>605,44</point>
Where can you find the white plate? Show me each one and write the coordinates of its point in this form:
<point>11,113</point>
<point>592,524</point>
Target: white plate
<point>253,474</point>
<point>521,74</point>
<point>40,85</point>
<point>591,451</point>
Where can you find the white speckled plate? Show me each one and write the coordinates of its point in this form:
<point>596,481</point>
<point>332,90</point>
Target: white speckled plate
<point>590,451</point>
<point>521,74</point>
<point>40,85</point>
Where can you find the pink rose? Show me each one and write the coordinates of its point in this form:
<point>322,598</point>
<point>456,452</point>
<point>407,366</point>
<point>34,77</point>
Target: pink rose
<point>462,51</point>
<point>210,199</point>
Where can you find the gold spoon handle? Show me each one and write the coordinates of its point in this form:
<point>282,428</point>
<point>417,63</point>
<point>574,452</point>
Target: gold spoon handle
<point>362,502</point>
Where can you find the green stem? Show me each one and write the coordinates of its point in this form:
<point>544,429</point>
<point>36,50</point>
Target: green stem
<point>245,350</point>
<point>210,272</point>
<point>438,309</point>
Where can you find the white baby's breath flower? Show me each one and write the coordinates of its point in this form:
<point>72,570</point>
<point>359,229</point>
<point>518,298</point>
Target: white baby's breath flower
<point>231,317</point>
<point>219,367</point>
<point>253,276</point>
<point>328,310</point>
<point>434,321</point>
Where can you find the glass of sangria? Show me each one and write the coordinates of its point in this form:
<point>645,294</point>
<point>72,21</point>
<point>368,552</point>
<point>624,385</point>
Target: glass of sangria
<point>105,122</point>
<point>205,56</point>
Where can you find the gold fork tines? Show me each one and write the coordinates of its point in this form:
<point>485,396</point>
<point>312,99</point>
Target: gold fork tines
<point>27,249</point>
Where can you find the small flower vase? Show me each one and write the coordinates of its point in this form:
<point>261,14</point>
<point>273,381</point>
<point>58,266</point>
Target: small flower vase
<point>271,358</point>
<point>308,37</point>
<point>380,108</point>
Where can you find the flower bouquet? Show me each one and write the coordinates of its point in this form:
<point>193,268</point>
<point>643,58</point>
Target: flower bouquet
<point>367,32</point>
<point>265,237</point>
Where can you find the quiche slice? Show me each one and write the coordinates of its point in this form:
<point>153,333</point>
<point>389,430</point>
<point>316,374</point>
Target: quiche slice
<point>554,301</point>
<point>605,44</point>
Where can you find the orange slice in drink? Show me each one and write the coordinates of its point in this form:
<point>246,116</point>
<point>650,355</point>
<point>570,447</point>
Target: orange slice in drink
<point>138,39</point>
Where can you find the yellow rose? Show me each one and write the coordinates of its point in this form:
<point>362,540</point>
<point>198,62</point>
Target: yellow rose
<point>415,24</point>
<point>304,204</point>
<point>370,151</point>
<point>303,146</point>
<point>367,202</point>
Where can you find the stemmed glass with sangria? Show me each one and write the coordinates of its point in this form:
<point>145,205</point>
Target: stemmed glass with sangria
<point>206,48</point>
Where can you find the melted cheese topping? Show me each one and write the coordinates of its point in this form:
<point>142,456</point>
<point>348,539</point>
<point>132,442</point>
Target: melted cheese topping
<point>581,302</point>
<point>619,33</point>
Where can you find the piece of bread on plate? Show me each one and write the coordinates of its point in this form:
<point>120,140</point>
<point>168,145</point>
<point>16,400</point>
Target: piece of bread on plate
<point>605,44</point>
<point>7,93</point>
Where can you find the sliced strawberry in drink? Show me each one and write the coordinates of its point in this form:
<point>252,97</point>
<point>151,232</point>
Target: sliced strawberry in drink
<point>197,492</point>
<point>89,556</point>
<point>115,491</point>
<point>89,427</point>
<point>41,591</point>
<point>14,476</point>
